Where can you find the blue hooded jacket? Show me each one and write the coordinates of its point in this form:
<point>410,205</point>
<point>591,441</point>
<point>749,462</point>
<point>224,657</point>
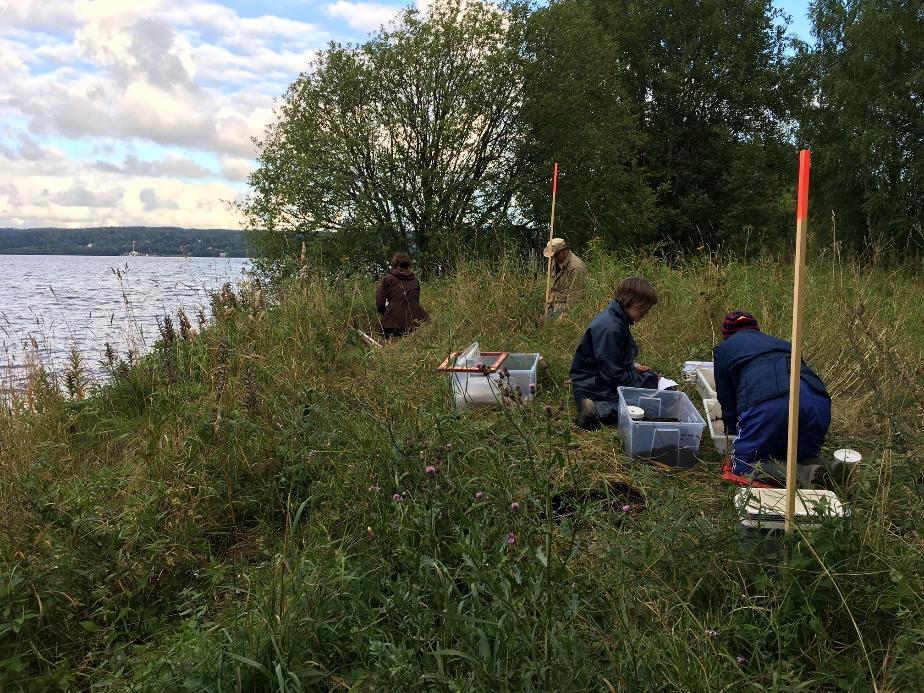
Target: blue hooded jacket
<point>605,358</point>
<point>752,367</point>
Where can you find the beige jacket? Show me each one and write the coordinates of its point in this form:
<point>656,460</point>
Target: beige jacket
<point>567,284</point>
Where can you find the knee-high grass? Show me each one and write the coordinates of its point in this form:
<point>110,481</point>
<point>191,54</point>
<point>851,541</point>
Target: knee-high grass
<point>269,504</point>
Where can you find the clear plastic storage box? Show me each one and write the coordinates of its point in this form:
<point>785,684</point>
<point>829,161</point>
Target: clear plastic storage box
<point>670,431</point>
<point>472,388</point>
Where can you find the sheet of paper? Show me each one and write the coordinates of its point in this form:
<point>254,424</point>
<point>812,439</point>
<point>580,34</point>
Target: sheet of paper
<point>665,383</point>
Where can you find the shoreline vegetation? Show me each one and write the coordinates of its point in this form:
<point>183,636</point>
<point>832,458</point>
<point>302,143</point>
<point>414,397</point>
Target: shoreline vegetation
<point>165,241</point>
<point>266,503</point>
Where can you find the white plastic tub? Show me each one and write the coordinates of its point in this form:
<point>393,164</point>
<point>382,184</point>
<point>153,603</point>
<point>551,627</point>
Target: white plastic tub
<point>510,376</point>
<point>765,508</point>
<point>721,440</point>
<point>705,383</point>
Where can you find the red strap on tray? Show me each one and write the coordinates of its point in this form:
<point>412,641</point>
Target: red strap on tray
<point>738,480</point>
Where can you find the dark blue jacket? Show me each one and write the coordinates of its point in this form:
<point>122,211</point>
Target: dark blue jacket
<point>605,358</point>
<point>751,367</point>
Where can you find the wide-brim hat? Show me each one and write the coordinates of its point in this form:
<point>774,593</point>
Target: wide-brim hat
<point>554,246</point>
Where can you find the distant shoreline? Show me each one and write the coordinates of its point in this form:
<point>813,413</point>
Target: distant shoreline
<point>120,241</point>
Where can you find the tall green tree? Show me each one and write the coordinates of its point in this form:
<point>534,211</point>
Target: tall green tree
<point>708,82</point>
<point>577,112</point>
<point>407,141</point>
<point>866,126</point>
<point>711,77</point>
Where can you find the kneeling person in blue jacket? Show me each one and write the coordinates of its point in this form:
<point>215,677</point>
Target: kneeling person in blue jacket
<point>752,384</point>
<point>605,358</point>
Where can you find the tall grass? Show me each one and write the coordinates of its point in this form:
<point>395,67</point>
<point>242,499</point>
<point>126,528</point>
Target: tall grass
<point>247,508</point>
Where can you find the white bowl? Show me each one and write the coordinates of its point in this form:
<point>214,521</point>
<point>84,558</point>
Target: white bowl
<point>847,456</point>
<point>635,413</point>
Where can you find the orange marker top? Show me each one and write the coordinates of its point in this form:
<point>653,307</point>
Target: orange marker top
<point>555,178</point>
<point>805,164</point>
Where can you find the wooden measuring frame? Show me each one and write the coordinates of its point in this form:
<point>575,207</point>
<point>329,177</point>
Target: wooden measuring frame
<point>448,366</point>
<point>795,364</point>
<point>548,272</point>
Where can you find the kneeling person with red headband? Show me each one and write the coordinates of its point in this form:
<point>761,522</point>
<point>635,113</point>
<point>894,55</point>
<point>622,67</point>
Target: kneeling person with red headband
<point>752,385</point>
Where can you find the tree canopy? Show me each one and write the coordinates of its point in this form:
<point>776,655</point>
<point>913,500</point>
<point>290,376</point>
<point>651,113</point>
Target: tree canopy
<point>407,141</point>
<point>672,120</point>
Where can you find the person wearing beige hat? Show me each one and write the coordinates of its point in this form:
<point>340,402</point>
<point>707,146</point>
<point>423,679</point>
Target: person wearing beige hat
<point>568,281</point>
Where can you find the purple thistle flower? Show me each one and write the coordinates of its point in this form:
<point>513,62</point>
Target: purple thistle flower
<point>430,470</point>
<point>626,508</point>
<point>479,495</point>
<point>511,539</point>
<point>532,389</point>
<point>514,506</point>
<point>398,498</point>
<point>740,659</point>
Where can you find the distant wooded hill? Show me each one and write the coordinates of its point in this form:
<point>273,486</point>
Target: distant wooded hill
<point>117,240</point>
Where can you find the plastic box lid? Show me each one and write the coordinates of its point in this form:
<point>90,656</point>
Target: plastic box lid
<point>766,507</point>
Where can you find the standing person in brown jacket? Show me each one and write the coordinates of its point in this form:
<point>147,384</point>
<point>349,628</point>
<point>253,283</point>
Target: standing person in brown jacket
<point>398,299</point>
<point>568,282</point>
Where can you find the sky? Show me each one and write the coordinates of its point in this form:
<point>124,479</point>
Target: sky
<point>142,112</point>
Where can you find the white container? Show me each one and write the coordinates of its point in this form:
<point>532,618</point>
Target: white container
<point>705,383</point>
<point>765,508</point>
<point>523,369</point>
<point>847,456</point>
<point>476,389</point>
<point>722,441</point>
<point>689,369</point>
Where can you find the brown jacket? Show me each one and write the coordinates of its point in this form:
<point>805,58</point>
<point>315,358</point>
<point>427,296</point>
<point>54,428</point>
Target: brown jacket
<point>567,284</point>
<point>398,301</point>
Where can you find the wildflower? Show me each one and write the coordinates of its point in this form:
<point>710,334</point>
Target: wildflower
<point>548,411</point>
<point>711,633</point>
<point>626,508</point>
<point>398,498</point>
<point>374,489</point>
<point>430,470</point>
<point>511,539</point>
<point>740,659</point>
<point>479,495</point>
<point>514,506</point>
<point>532,388</point>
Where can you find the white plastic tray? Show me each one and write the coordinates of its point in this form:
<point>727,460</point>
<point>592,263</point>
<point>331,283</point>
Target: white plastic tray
<point>765,508</point>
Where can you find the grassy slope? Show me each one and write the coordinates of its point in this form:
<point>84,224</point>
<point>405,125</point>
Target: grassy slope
<point>220,517</point>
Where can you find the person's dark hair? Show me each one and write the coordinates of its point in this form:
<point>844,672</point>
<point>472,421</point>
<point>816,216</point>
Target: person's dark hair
<point>636,291</point>
<point>401,260</point>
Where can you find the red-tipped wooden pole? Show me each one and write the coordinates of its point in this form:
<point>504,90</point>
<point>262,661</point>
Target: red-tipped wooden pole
<point>795,367</point>
<point>548,271</point>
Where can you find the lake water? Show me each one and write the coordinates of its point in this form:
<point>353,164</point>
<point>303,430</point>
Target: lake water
<point>60,302</point>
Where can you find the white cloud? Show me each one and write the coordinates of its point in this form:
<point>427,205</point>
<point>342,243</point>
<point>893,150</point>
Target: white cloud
<point>79,196</point>
<point>111,110</point>
<point>362,16</point>
<point>172,165</point>
<point>101,198</point>
<point>234,168</point>
<point>152,203</point>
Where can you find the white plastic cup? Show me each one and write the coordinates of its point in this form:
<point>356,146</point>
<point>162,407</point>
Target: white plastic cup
<point>635,413</point>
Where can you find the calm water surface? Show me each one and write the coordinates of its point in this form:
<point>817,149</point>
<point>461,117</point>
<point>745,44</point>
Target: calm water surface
<point>60,302</point>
